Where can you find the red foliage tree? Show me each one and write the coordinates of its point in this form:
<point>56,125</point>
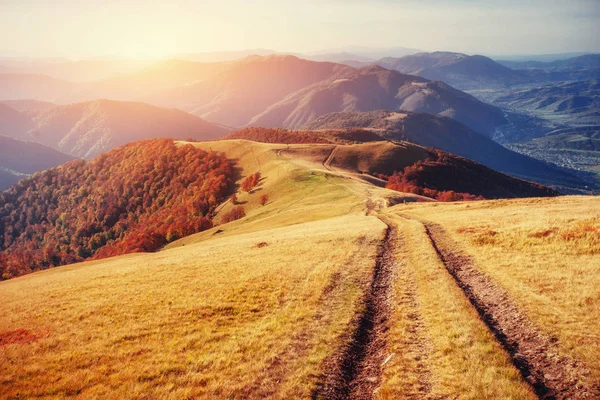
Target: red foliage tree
<point>264,199</point>
<point>234,214</point>
<point>250,182</point>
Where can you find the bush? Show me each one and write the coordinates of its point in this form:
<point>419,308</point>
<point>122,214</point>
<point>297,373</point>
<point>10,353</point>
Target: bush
<point>250,182</point>
<point>264,199</point>
<point>235,214</point>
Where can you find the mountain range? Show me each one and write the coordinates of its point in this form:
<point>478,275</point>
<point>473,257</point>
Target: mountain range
<point>90,128</point>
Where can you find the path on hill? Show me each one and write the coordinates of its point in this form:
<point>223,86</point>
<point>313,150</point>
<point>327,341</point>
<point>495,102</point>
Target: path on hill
<point>537,357</point>
<point>329,159</point>
<point>357,373</point>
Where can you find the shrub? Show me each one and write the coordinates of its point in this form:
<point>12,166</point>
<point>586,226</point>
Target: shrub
<point>234,214</point>
<point>250,182</point>
<point>264,199</point>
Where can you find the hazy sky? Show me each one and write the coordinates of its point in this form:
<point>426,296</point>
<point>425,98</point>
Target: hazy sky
<point>147,28</point>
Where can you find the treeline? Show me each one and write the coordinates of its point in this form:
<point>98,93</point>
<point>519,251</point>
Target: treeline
<point>445,177</point>
<point>137,197</point>
<point>284,136</point>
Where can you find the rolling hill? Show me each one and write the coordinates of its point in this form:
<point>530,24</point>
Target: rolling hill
<point>28,107</point>
<point>459,70</point>
<point>449,135</point>
<point>333,288</point>
<point>375,88</point>
<point>90,128</point>
<point>20,159</point>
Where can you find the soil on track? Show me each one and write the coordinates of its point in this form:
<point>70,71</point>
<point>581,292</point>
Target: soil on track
<point>356,372</point>
<point>536,355</point>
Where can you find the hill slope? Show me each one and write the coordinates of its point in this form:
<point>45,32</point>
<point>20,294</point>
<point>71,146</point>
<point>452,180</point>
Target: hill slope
<point>134,198</point>
<point>457,69</point>
<point>19,159</point>
<point>13,122</point>
<point>449,135</point>
<point>376,88</point>
<point>88,129</point>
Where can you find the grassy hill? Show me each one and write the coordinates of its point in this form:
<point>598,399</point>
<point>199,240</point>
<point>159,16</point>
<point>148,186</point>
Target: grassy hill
<point>449,135</point>
<point>335,287</point>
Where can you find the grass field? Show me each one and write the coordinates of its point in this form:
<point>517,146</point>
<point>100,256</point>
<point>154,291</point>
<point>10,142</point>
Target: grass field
<point>264,307</point>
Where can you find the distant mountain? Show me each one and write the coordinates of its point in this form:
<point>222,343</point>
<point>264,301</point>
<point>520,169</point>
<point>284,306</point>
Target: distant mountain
<point>577,68</point>
<point>341,58</point>
<point>585,61</point>
<point>28,106</point>
<point>369,52</point>
<point>579,100</point>
<point>220,56</point>
<point>156,78</point>
<point>90,128</point>
<point>449,135</point>
<point>19,159</point>
<point>375,88</point>
<point>36,87</point>
<point>236,95</point>
<point>12,122</point>
<point>537,57</point>
<point>459,70</point>
<point>71,70</point>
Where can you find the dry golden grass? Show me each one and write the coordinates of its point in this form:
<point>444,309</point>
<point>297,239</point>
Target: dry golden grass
<point>442,349</point>
<point>545,253</point>
<point>223,318</point>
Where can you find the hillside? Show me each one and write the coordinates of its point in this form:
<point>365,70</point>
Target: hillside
<point>267,306</point>
<point>19,159</point>
<point>13,122</point>
<point>28,107</point>
<point>449,135</point>
<point>375,88</point>
<point>459,70</point>
<point>73,212</point>
<point>88,129</point>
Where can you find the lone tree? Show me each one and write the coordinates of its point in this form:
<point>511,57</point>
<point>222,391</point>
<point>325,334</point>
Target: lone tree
<point>264,199</point>
<point>250,182</point>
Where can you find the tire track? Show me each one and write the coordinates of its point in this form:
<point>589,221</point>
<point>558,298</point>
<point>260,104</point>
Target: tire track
<point>356,374</point>
<point>551,375</point>
<point>329,159</point>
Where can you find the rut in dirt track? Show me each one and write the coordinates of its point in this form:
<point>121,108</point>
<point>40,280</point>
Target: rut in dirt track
<point>551,375</point>
<point>356,373</point>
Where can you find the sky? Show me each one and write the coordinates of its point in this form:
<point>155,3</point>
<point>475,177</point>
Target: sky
<point>157,29</point>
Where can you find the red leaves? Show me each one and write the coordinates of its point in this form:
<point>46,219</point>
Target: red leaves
<point>236,213</point>
<point>264,199</point>
<point>408,182</point>
<point>134,198</point>
<point>250,182</point>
